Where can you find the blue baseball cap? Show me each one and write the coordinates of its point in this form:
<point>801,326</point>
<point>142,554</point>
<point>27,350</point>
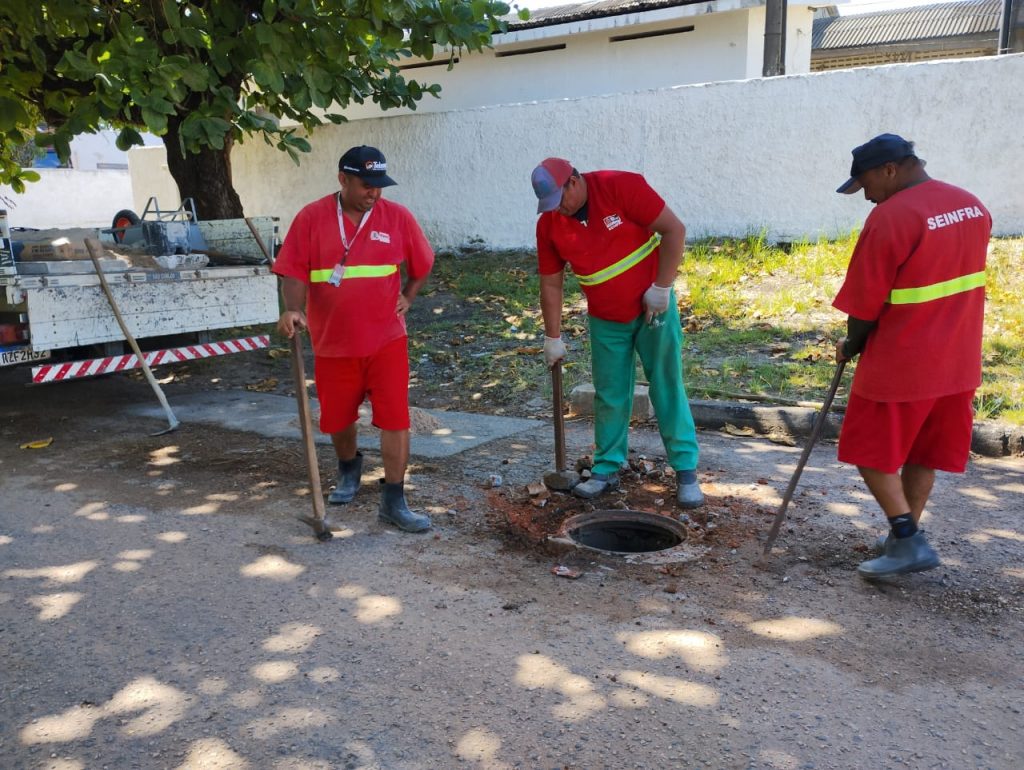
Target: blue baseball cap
<point>884,148</point>
<point>367,163</point>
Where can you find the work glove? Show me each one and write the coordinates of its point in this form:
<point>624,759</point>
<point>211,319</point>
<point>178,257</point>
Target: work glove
<point>656,300</point>
<point>554,350</point>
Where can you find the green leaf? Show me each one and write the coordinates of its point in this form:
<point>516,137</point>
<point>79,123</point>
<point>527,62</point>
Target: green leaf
<point>171,14</point>
<point>12,114</point>
<point>156,122</point>
<point>196,77</point>
<point>127,138</point>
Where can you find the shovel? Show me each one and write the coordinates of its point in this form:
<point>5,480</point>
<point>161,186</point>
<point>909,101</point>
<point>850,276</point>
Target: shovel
<point>815,433</point>
<point>559,480</point>
<point>95,249</point>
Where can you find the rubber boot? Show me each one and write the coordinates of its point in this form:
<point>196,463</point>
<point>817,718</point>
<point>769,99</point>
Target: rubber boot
<point>688,493</point>
<point>901,555</point>
<point>597,484</point>
<point>349,475</point>
<point>881,540</point>
<point>394,510</point>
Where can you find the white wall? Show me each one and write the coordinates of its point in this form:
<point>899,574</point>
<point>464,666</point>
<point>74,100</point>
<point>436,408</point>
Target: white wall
<point>731,158</point>
<point>90,152</point>
<point>722,46</point>
<point>65,197</point>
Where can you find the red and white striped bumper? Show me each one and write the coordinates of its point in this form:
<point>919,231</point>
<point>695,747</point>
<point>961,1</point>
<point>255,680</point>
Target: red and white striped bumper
<point>90,368</point>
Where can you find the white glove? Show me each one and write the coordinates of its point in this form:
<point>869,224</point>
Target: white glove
<point>554,350</point>
<point>656,300</point>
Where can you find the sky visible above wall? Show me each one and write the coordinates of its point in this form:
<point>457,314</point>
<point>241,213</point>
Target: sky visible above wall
<point>845,9</point>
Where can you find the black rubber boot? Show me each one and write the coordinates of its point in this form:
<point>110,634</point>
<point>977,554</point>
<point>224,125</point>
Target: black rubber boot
<point>349,474</point>
<point>394,510</point>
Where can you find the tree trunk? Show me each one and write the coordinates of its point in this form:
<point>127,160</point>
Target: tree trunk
<point>205,177</point>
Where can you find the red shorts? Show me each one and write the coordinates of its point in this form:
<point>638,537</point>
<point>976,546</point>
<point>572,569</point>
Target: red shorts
<point>885,435</point>
<point>343,383</point>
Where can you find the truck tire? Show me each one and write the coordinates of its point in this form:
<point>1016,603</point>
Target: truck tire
<point>123,218</point>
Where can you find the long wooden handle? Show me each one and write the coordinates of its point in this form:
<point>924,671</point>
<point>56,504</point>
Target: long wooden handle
<point>95,249</point>
<point>259,241</point>
<point>556,397</point>
<point>815,433</point>
<point>306,423</point>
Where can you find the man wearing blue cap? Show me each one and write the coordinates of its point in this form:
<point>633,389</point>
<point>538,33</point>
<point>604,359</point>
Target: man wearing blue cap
<point>625,247</point>
<point>914,294</point>
<point>340,270</point>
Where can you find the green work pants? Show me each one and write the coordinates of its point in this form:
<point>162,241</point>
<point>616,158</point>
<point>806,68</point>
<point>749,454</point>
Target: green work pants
<point>613,349</point>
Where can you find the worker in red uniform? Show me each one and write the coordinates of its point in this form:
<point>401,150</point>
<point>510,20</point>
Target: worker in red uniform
<point>339,269</point>
<point>625,247</point>
<point>915,296</point>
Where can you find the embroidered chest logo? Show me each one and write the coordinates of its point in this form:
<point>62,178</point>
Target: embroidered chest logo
<point>377,235</point>
<point>612,221</point>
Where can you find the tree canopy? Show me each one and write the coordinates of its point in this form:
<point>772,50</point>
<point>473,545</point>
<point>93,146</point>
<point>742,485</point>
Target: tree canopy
<point>204,75</point>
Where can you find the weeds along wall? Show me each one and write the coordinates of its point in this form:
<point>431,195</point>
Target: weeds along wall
<point>731,158</point>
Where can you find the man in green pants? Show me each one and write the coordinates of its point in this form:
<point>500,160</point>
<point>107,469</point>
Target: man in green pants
<point>625,246</point>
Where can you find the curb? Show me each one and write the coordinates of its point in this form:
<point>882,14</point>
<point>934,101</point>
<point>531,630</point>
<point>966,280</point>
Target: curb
<point>989,439</point>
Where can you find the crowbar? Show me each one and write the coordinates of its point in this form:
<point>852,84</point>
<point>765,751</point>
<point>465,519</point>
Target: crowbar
<point>318,521</point>
<point>95,248</point>
<point>561,479</point>
<point>819,423</point>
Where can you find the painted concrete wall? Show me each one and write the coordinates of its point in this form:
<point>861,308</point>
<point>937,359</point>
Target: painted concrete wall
<point>90,152</point>
<point>722,46</point>
<point>65,197</point>
<point>730,158</point>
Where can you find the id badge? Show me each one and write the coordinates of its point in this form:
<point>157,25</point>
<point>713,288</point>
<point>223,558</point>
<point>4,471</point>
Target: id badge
<point>337,275</point>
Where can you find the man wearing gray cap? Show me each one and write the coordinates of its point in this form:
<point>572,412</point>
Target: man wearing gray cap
<point>914,294</point>
<point>340,278</point>
<point>625,246</point>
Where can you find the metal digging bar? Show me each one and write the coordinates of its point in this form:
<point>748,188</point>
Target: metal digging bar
<point>318,521</point>
<point>560,479</point>
<point>815,433</point>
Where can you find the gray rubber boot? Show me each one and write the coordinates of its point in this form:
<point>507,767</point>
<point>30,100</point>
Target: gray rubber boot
<point>901,555</point>
<point>596,485</point>
<point>883,539</point>
<point>688,493</point>
<point>350,473</point>
<point>394,510</point>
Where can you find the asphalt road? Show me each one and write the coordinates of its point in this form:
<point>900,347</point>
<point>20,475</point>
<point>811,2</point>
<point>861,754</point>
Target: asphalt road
<point>161,607</point>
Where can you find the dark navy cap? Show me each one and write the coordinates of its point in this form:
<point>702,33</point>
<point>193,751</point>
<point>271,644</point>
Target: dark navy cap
<point>884,148</point>
<point>367,163</point>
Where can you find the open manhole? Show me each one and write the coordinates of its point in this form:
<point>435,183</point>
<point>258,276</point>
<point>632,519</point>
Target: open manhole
<point>623,532</point>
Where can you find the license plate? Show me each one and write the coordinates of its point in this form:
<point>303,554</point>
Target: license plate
<point>12,356</point>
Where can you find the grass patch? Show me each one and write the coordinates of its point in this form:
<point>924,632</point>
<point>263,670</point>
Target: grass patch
<point>758,321</point>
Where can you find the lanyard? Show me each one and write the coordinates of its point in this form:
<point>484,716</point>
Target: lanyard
<point>346,245</point>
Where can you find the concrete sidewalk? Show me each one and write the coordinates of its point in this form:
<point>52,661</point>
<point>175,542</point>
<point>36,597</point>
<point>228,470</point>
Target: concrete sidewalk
<point>274,416</point>
<point>450,432</point>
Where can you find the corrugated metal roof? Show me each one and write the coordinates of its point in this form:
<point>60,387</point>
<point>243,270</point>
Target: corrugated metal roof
<point>925,22</point>
<point>560,14</point>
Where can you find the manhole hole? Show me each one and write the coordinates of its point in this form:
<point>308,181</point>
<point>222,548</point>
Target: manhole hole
<point>623,532</point>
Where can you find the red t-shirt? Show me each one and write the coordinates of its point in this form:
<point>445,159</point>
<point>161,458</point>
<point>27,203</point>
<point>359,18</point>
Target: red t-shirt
<point>620,208</point>
<point>921,236</point>
<point>358,317</point>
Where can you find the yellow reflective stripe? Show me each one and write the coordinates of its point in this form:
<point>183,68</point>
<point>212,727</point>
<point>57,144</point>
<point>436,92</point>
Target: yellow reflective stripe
<point>937,290</point>
<point>354,271</point>
<point>622,265</point>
